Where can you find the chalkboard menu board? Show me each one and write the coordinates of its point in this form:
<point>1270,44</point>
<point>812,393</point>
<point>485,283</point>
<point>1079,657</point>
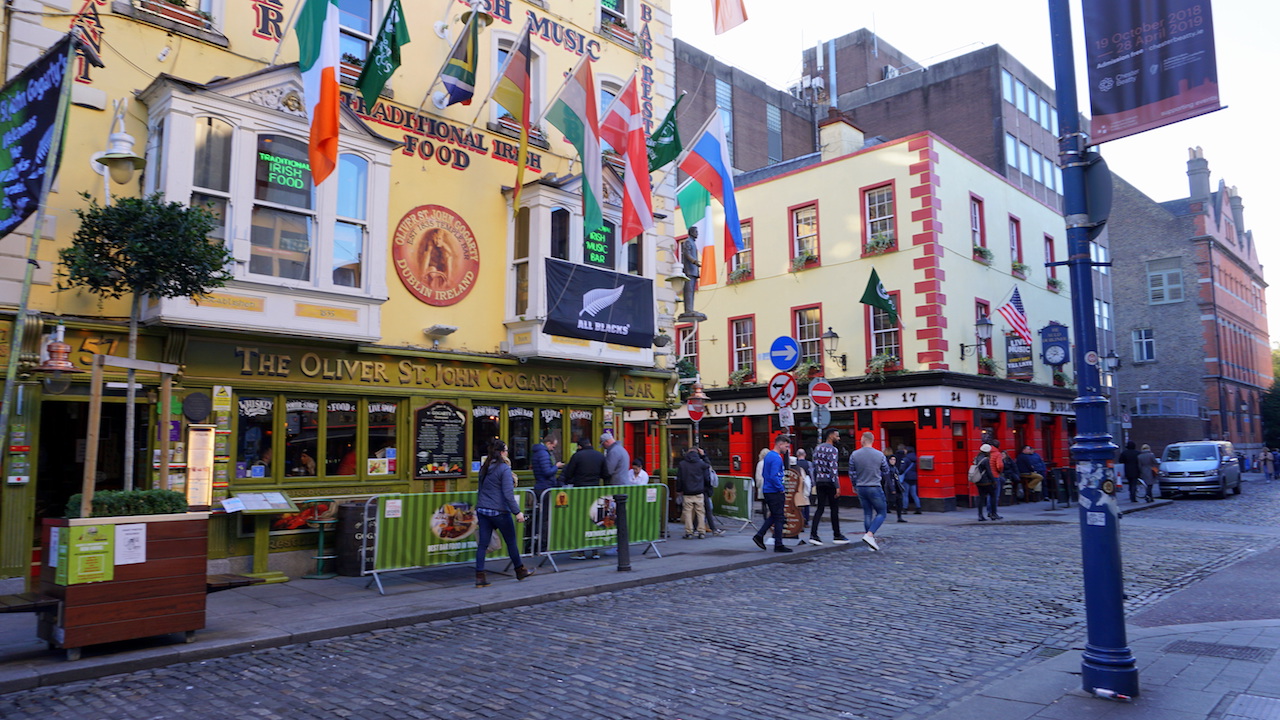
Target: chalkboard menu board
<point>440,438</point>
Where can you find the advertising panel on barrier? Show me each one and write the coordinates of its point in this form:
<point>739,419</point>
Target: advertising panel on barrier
<point>586,517</point>
<point>732,499</point>
<point>432,529</point>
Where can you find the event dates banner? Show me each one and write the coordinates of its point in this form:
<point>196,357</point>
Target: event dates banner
<point>28,110</point>
<point>1151,63</point>
<point>594,304</point>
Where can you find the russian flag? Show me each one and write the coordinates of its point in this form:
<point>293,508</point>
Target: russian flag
<point>707,162</point>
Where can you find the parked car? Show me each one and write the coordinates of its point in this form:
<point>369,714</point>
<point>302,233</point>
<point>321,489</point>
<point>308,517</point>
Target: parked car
<point>1204,466</point>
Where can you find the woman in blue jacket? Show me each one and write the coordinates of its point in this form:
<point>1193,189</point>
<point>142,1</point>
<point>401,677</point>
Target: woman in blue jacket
<point>495,505</point>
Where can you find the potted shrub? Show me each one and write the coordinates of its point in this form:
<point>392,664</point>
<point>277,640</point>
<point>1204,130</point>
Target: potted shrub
<point>803,260</point>
<point>740,274</point>
<point>1020,269</point>
<point>1060,379</point>
<point>1054,284</point>
<point>982,254</point>
<point>986,365</point>
<point>740,377</point>
<point>136,567</point>
<point>806,370</point>
<point>617,29</point>
<point>878,244</point>
<point>881,365</point>
<point>352,66</point>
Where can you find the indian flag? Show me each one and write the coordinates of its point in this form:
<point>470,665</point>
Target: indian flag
<point>574,112</point>
<point>317,31</point>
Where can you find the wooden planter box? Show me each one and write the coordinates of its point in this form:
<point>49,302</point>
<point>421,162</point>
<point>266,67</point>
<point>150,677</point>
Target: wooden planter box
<point>164,594</point>
<point>178,13</point>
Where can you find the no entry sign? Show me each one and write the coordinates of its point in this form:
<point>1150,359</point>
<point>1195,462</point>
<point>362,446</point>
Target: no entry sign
<point>696,408</point>
<point>821,392</point>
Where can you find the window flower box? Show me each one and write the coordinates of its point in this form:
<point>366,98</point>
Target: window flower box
<point>802,261</point>
<point>983,254</point>
<point>1054,285</point>
<point>879,244</point>
<point>882,365</point>
<point>617,30</point>
<point>177,11</point>
<point>1020,270</point>
<point>986,365</point>
<point>739,275</point>
<point>740,377</point>
<point>807,370</point>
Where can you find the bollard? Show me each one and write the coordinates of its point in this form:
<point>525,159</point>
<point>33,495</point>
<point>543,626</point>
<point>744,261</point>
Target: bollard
<point>624,539</point>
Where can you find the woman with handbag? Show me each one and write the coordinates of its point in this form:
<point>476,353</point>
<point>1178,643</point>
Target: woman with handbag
<point>496,505</point>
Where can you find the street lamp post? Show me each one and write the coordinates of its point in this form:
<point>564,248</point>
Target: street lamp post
<point>1108,668</point>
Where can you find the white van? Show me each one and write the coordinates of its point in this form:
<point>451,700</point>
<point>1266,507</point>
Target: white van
<point>1203,466</point>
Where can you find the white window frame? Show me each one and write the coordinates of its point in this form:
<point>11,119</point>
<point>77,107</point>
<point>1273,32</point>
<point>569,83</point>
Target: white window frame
<point>1144,345</point>
<point>809,333</point>
<point>744,347</point>
<point>743,257</point>
<point>687,343</point>
<point>886,339</point>
<point>879,213</point>
<point>503,41</point>
<point>799,241</point>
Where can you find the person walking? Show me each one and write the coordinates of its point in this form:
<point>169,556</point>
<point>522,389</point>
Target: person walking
<point>1265,463</point>
<point>892,485</point>
<point>910,479</point>
<point>986,481</point>
<point>1147,464</point>
<point>496,505</point>
<point>1129,459</point>
<point>691,481</point>
<point>759,476</point>
<point>772,473</point>
<point>617,461</point>
<point>868,467</point>
<point>995,459</point>
<point>713,482</point>
<point>826,487</point>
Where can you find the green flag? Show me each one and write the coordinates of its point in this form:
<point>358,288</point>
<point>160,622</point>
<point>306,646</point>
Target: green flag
<point>384,56</point>
<point>664,143</point>
<point>694,202</point>
<point>876,296</point>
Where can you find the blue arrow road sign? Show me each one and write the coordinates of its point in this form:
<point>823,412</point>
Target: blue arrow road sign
<point>784,353</point>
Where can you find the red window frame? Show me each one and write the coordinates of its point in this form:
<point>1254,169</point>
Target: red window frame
<point>868,330</point>
<point>981,309</point>
<point>751,267</point>
<point>1015,238</point>
<point>866,222</point>
<point>1050,256</point>
<point>817,227</point>
<point>730,346</point>
<point>795,331</point>
<point>976,201</point>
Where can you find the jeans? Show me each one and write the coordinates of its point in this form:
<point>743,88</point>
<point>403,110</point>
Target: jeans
<point>988,499</point>
<point>505,525</point>
<point>709,510</point>
<point>872,499</point>
<point>912,493</point>
<point>777,516</point>
<point>826,495</point>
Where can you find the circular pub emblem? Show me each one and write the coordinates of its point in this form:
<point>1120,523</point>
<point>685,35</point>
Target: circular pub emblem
<point>436,255</point>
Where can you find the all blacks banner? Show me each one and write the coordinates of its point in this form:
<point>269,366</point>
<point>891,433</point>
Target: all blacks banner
<point>1151,63</point>
<point>593,304</point>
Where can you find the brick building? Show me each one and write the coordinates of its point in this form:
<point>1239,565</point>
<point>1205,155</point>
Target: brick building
<point>1193,323</point>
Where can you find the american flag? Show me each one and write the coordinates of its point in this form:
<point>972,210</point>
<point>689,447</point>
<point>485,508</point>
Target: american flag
<point>1016,316</point>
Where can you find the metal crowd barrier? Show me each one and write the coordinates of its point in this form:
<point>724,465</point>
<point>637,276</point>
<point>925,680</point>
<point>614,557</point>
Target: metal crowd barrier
<point>732,500</point>
<point>583,518</point>
<point>424,530</point>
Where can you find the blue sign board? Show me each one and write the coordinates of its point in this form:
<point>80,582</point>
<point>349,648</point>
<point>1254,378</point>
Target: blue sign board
<point>784,353</point>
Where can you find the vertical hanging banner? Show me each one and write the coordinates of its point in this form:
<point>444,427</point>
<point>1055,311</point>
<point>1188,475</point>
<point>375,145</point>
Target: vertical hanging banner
<point>28,109</point>
<point>1018,364</point>
<point>1151,63</point>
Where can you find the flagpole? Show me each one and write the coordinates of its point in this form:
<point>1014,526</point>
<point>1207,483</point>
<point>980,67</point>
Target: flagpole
<point>46,183</point>
<point>573,72</point>
<point>293,18</point>
<point>618,97</point>
<point>684,152</point>
<point>493,85</point>
<point>466,32</point>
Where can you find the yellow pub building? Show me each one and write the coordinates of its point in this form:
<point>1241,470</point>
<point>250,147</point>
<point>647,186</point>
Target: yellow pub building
<point>379,328</point>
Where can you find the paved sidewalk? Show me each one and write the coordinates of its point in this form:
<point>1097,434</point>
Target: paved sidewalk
<point>1176,685</point>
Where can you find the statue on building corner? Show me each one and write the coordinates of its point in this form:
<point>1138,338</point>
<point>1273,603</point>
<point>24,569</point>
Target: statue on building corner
<point>692,268</point>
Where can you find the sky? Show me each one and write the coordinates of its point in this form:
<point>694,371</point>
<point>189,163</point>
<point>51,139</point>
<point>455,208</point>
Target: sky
<point>770,43</point>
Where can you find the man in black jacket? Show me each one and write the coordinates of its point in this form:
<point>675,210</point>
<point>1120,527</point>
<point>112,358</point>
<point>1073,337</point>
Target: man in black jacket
<point>691,481</point>
<point>1132,471</point>
<point>585,468</point>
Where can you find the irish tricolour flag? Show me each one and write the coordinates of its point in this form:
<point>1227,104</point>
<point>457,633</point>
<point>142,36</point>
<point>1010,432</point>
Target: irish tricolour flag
<point>318,60</point>
<point>574,112</point>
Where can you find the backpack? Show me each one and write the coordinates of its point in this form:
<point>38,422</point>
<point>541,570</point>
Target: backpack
<point>712,478</point>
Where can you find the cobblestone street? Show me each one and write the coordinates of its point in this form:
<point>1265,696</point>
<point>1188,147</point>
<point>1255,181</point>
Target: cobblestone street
<point>851,634</point>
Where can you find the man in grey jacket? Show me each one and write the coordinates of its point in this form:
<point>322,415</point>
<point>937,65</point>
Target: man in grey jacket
<point>867,467</point>
<point>617,461</point>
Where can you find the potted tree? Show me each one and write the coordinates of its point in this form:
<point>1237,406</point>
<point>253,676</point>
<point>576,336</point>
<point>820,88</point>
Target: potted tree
<point>143,247</point>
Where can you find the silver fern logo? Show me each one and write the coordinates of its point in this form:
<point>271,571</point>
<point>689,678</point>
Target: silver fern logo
<point>593,301</point>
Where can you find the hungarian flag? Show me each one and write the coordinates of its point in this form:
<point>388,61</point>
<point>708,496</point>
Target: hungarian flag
<point>623,128</point>
<point>664,143</point>
<point>695,209</point>
<point>707,161</point>
<point>384,57</point>
<point>512,92</point>
<point>575,113</point>
<point>729,14</point>
<point>877,297</point>
<point>459,74</point>
<point>317,32</point>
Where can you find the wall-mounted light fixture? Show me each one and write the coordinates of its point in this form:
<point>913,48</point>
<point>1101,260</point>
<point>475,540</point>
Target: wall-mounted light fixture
<point>830,343</point>
<point>982,331</point>
<point>435,332</point>
<point>119,161</point>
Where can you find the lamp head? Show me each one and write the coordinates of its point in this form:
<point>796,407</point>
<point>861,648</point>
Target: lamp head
<point>983,328</point>
<point>120,159</point>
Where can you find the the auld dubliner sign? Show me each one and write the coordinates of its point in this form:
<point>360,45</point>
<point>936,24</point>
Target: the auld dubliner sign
<point>593,304</point>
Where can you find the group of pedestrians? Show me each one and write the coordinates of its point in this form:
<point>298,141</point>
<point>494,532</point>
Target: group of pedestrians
<point>695,481</point>
<point>1139,470</point>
